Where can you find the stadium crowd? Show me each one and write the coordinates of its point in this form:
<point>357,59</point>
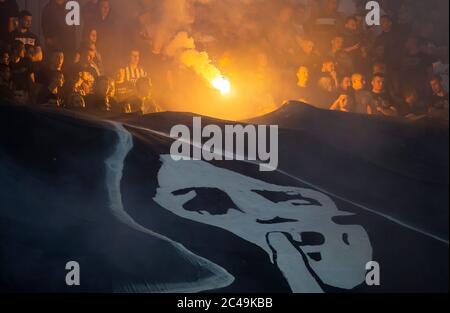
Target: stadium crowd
<point>401,71</point>
<point>398,69</point>
<point>58,73</point>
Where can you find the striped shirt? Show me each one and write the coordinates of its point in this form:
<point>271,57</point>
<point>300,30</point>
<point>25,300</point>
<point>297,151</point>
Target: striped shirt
<point>128,80</point>
<point>132,75</point>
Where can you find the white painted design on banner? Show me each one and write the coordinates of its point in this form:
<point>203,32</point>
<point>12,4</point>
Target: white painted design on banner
<point>278,219</point>
<point>114,166</point>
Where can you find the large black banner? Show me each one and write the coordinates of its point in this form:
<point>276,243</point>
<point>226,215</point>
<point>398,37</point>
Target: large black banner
<point>351,194</point>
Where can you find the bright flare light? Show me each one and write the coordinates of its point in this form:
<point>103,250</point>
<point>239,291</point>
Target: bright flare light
<point>222,84</point>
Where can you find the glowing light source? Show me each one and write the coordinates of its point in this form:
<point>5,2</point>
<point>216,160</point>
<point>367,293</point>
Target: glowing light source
<point>222,84</point>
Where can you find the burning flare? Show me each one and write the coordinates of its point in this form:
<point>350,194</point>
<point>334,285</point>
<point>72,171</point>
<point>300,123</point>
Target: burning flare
<point>222,84</point>
<point>183,47</point>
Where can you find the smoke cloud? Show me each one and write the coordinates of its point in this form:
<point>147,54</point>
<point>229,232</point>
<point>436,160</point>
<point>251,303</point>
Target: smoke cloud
<point>194,42</point>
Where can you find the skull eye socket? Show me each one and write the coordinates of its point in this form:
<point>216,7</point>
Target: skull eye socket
<point>345,239</point>
<point>294,198</point>
<point>316,256</point>
<point>311,239</point>
<point>211,200</point>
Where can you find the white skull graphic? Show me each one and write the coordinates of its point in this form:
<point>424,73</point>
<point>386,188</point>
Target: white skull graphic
<point>293,225</point>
